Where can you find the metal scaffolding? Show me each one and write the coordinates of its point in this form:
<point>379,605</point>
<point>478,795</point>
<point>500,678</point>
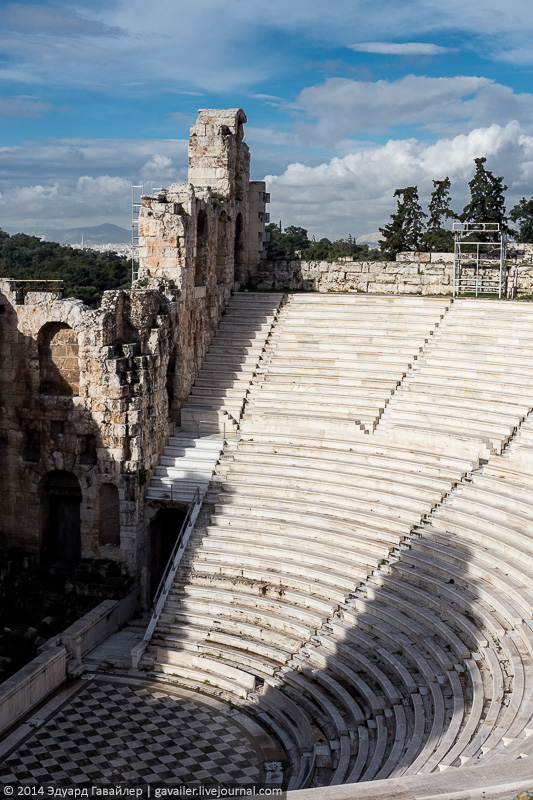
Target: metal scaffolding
<point>479,266</point>
<point>136,194</point>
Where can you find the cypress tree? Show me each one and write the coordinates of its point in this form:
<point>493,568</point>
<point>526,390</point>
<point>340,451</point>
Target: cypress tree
<point>404,231</point>
<point>487,201</point>
<point>437,239</point>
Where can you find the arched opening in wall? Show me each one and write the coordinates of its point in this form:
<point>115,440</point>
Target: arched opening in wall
<point>164,530</point>
<point>200,268</point>
<point>60,500</point>
<point>109,520</point>
<point>241,175</point>
<point>223,242</point>
<point>238,249</point>
<point>59,371</point>
<point>171,381</point>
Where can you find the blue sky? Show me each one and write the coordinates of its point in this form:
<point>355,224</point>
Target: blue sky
<point>346,101</point>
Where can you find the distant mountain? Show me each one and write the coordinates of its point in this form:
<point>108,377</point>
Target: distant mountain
<point>98,234</point>
<point>371,239</point>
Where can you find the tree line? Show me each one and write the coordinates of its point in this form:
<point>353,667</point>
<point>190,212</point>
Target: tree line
<point>85,274</point>
<point>407,229</point>
<point>411,228</point>
<point>295,240</point>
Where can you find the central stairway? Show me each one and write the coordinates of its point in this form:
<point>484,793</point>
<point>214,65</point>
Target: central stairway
<point>215,405</point>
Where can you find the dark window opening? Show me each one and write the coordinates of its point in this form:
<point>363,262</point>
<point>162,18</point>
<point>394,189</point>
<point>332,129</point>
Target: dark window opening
<point>238,252</point>
<point>164,530</point>
<point>57,428</point>
<point>89,453</point>
<point>60,497</point>
<point>223,240</point>
<point>171,382</point>
<point>200,270</point>
<point>109,522</point>
<point>32,447</point>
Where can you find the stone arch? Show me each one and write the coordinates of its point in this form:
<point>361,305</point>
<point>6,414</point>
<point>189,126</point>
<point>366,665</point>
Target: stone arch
<point>238,250</point>
<point>60,498</point>
<point>171,380</point>
<point>59,371</point>
<point>202,235</point>
<point>223,247</point>
<point>109,518</point>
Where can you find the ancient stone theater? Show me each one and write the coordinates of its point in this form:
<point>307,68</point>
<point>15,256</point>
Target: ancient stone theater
<point>320,487</point>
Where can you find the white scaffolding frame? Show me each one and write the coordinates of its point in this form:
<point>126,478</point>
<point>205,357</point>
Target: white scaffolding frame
<point>479,266</point>
<point>137,192</point>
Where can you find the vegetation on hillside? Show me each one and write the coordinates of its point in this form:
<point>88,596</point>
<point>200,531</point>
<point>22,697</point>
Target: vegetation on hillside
<point>85,274</point>
<point>294,240</point>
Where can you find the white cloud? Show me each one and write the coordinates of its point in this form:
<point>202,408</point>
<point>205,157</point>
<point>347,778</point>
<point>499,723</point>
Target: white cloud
<point>399,48</point>
<point>342,107</point>
<point>159,168</point>
<point>70,158</point>
<point>22,108</point>
<point>59,183</point>
<point>98,200</point>
<point>222,47</point>
<point>24,18</point>
<point>354,194</point>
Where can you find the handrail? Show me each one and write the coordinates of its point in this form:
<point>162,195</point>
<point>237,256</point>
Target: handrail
<point>170,562</point>
<point>168,575</point>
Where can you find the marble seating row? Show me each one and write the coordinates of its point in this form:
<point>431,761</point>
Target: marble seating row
<point>258,593</point>
<point>368,596</point>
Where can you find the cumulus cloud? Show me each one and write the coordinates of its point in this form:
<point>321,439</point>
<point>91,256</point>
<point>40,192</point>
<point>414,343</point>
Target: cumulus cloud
<point>340,106</point>
<point>82,181</point>
<point>68,158</point>
<point>159,168</point>
<point>60,205</point>
<point>354,194</point>
<point>399,48</point>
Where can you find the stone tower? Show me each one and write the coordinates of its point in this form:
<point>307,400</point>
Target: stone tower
<point>207,233</point>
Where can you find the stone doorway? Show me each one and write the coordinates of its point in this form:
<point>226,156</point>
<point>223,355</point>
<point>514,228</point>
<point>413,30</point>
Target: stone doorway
<point>238,249</point>
<point>60,497</point>
<point>163,532</point>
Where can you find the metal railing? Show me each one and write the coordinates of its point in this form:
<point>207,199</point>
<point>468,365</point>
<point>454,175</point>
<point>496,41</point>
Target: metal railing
<point>167,578</point>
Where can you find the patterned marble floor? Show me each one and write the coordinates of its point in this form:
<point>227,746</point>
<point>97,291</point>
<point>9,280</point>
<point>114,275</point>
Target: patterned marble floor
<point>111,733</point>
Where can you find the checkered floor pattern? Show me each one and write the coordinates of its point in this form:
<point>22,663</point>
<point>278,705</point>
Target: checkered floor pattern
<point>111,733</point>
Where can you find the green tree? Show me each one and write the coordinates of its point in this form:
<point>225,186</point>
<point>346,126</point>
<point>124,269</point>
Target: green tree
<point>437,239</point>
<point>522,213</point>
<point>318,251</point>
<point>487,200</point>
<point>292,239</point>
<point>404,231</point>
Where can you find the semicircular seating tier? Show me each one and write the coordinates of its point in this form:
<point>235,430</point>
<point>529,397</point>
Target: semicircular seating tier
<point>366,596</point>
<point>474,378</point>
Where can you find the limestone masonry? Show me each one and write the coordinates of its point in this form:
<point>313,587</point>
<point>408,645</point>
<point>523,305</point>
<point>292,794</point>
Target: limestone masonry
<point>411,273</point>
<point>86,396</point>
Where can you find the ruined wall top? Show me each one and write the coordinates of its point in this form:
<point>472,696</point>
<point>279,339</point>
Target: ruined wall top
<point>232,118</point>
<point>218,156</point>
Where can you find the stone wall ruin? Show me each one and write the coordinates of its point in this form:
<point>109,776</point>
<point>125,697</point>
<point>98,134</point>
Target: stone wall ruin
<point>411,273</point>
<point>86,396</point>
